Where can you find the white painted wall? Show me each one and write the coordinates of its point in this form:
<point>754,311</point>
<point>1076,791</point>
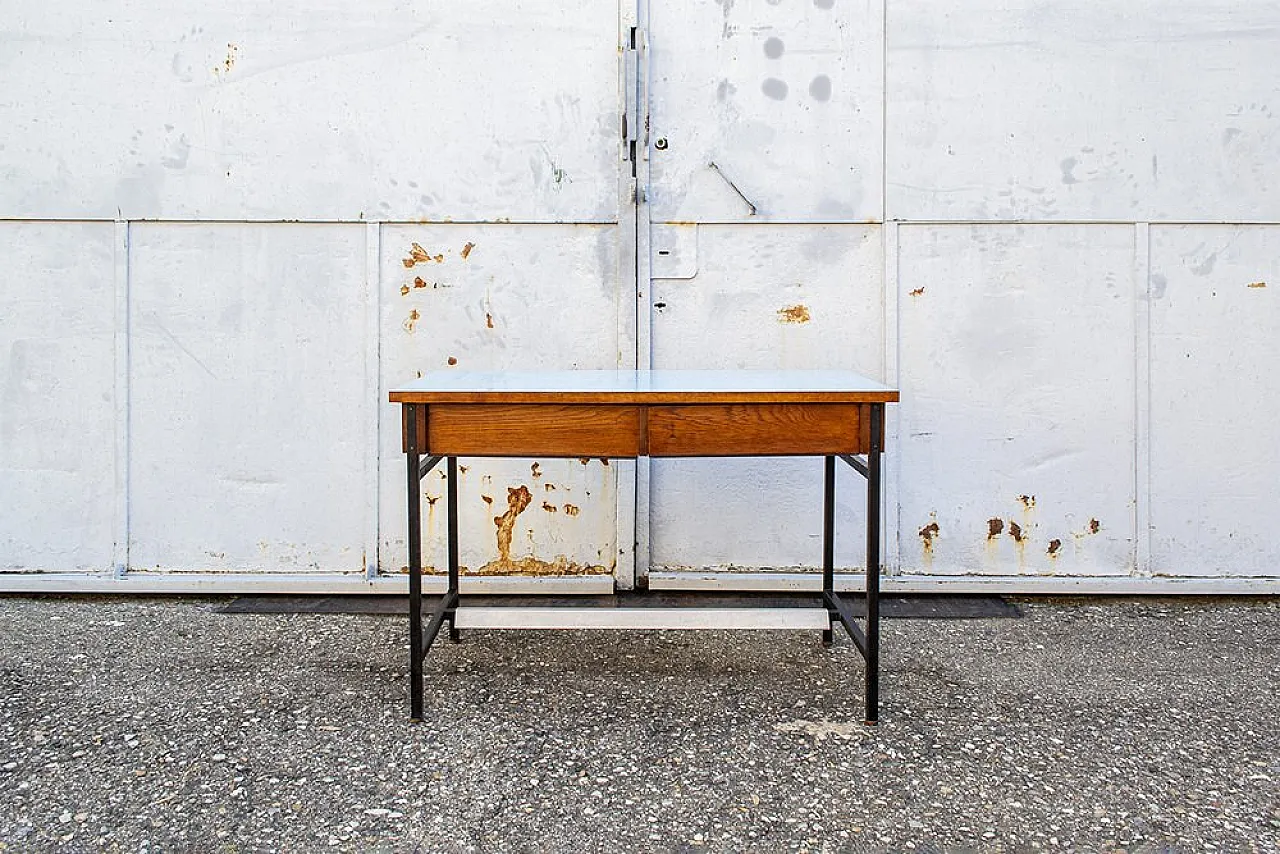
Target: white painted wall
<point>1052,224</point>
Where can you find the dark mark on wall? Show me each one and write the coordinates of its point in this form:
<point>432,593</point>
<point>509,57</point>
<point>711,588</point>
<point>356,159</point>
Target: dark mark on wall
<point>1015,531</point>
<point>994,528</point>
<point>1054,546</point>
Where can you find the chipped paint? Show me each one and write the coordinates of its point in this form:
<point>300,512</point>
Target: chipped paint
<point>466,250</point>
<point>994,528</point>
<point>571,510</point>
<point>1015,531</point>
<point>1257,284</point>
<point>1028,501</point>
<point>916,292</point>
<point>418,255</point>
<point>794,314</point>
<point>404,290</point>
<point>928,532</point>
<point>1094,526</point>
<point>1054,546</point>
<point>549,507</point>
<point>536,469</point>
<point>412,320</point>
<point>488,320</point>
<point>452,360</point>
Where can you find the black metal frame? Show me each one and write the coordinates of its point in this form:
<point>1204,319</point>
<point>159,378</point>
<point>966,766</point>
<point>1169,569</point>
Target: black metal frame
<point>867,641</point>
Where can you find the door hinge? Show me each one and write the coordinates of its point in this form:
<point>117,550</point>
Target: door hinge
<point>631,121</point>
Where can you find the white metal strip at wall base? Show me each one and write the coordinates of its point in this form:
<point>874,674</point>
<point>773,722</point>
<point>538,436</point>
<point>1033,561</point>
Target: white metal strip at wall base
<point>297,584</point>
<point>994,585</point>
<point>642,618</point>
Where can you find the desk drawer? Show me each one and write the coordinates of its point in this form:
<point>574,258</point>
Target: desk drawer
<point>776,429</point>
<point>515,430</point>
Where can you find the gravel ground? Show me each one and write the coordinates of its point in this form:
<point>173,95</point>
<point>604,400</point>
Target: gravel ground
<point>1094,726</point>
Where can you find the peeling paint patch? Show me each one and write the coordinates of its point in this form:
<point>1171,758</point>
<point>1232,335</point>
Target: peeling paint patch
<point>794,314</point>
<point>536,469</point>
<point>1028,501</point>
<point>1054,546</point>
<point>404,290</point>
<point>517,500</point>
<point>452,360</point>
<point>549,487</point>
<point>549,507</point>
<point>412,320</point>
<point>571,510</point>
<point>418,255</point>
<point>927,533</point>
<point>994,528</point>
<point>466,250</point>
<point>418,282</point>
<point>1257,284</point>
<point>916,292</point>
<point>1094,526</point>
<point>488,320</point>
<point>487,499</point>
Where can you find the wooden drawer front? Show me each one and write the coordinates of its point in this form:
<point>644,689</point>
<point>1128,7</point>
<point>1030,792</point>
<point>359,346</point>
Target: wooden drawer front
<point>498,430</point>
<point>778,429</point>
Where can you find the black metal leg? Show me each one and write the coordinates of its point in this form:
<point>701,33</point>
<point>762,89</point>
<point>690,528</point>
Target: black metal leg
<point>410,413</point>
<point>828,538</point>
<point>873,564</point>
<point>454,634</point>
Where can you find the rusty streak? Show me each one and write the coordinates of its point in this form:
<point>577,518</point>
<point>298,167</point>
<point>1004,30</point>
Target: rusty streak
<point>928,532</point>
<point>994,528</point>
<point>517,500</point>
<point>488,320</point>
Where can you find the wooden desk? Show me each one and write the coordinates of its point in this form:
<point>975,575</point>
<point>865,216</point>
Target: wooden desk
<point>625,414</point>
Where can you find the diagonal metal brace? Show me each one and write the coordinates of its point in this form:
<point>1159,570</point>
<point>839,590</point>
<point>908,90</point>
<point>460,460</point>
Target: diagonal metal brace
<point>427,464</point>
<point>448,603</point>
<point>847,619</point>
<point>858,463</point>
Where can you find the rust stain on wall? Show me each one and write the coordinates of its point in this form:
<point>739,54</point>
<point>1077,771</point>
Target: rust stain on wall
<point>418,282</point>
<point>487,499</point>
<point>518,500</point>
<point>466,250</point>
<point>794,314</point>
<point>1257,284</point>
<point>488,320</point>
<point>412,320</point>
<point>570,510</point>
<point>994,528</point>
<point>917,292</point>
<point>404,290</point>
<point>1054,546</point>
<point>536,470</point>
<point>1094,526</point>
<point>927,533</point>
<point>549,486</point>
<point>549,507</point>
<point>418,255</point>
<point>1028,501</point>
<point>1015,531</point>
<point>452,360</point>
<point>584,460</point>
